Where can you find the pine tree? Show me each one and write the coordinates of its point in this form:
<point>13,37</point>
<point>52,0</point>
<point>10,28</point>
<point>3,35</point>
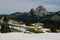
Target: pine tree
<point>5,27</point>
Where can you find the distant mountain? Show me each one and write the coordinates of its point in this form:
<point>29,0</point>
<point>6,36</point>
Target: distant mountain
<point>56,16</point>
<point>40,11</point>
<point>38,14</point>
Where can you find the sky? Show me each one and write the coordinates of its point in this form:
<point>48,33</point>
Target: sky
<point>11,6</point>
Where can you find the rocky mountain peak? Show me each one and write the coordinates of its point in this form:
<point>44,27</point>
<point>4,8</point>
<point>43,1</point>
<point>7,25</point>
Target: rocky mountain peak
<point>40,7</point>
<point>40,10</point>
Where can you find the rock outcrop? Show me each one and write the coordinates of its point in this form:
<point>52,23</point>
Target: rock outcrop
<point>40,11</point>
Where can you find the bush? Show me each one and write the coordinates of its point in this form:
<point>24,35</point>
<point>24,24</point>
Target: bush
<point>34,31</point>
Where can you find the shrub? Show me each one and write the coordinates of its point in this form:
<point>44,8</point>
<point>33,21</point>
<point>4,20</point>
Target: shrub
<point>34,31</point>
